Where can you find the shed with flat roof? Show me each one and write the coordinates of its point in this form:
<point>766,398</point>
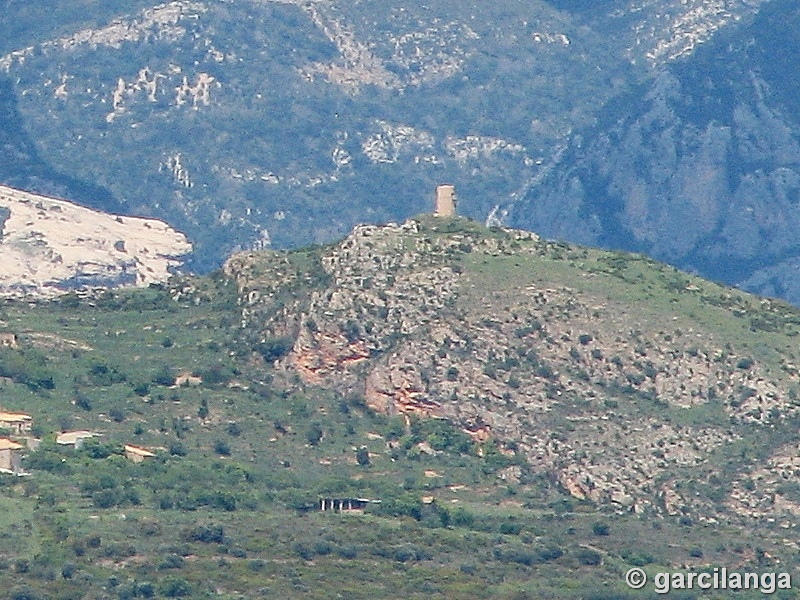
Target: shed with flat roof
<point>18,423</point>
<point>10,456</point>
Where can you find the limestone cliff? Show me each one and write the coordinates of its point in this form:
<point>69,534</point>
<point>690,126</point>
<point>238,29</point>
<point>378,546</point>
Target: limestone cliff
<point>49,246</point>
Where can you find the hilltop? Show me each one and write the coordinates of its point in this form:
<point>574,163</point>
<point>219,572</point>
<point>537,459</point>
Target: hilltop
<point>527,412</point>
<point>626,380</point>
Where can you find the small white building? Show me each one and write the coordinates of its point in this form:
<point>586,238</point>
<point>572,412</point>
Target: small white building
<point>187,379</point>
<point>74,438</point>
<point>340,505</point>
<point>10,456</point>
<point>137,454</point>
<point>18,423</point>
<point>8,340</point>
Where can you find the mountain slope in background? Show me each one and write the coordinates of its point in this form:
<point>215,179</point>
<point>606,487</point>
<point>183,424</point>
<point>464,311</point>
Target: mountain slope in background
<point>704,172</point>
<point>278,123</point>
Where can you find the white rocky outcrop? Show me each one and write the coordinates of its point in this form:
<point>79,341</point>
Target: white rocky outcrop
<point>427,52</point>
<point>162,22</point>
<point>48,246</point>
<point>678,29</point>
<point>394,139</point>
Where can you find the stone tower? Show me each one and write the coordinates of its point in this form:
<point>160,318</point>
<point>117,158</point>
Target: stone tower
<point>445,205</point>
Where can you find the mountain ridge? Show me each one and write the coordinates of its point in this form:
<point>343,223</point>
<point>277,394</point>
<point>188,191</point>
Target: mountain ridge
<point>699,175</point>
<point>310,112</point>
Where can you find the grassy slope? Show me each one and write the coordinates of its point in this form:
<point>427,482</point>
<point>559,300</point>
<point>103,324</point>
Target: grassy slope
<point>144,516</point>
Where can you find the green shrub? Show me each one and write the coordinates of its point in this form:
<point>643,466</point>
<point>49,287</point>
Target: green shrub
<point>441,435</point>
<point>323,548</point>
<point>106,498</point>
<point>215,374</point>
<point>304,551</point>
<point>175,587</point>
<point>637,558</point>
<point>48,458</point>
<point>256,565</point>
<point>23,592</point>
<point>68,570</point>
<point>94,448</point>
<point>144,589</point>
<point>28,367</point>
<point>273,349</point>
<point>395,428</point>
<point>526,555</point>
<point>82,401</point>
<point>349,552</point>
<point>408,553</point>
<point>468,568</point>
<point>119,550</point>
<point>164,376</point>
<point>171,561</point>
<point>588,557</point>
<point>104,374</point>
<point>510,528</point>
<point>544,371</point>
<point>462,518</point>
<point>600,528</point>
<point>22,565</point>
<point>362,456</point>
<point>314,434</point>
<point>351,330</point>
<point>207,534</point>
<point>405,505</point>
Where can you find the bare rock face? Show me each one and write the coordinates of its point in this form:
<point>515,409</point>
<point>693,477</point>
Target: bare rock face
<point>542,347</point>
<point>399,389</point>
<point>50,246</point>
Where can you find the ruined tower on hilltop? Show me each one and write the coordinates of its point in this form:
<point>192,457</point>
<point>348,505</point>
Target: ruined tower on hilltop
<point>445,205</point>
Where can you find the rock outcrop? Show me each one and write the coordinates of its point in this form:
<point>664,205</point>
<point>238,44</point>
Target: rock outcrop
<point>50,246</point>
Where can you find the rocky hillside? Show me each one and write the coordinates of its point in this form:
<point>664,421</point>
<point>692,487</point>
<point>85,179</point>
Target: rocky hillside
<point>526,419</point>
<point>628,382</point>
<point>698,167</point>
<point>49,246</point>
<point>281,123</point>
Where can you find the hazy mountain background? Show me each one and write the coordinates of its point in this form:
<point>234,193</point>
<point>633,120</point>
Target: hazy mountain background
<point>664,126</point>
